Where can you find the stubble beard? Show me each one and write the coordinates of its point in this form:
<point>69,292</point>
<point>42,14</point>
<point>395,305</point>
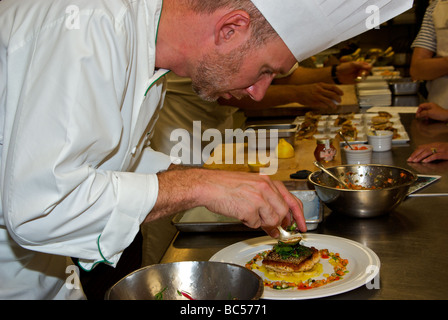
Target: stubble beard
<point>215,73</point>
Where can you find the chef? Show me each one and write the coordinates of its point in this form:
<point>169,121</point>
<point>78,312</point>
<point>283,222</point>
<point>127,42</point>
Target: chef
<point>81,82</point>
<point>430,56</point>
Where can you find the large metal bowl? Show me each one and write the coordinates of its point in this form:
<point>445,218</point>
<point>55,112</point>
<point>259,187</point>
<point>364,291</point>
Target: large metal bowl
<point>203,280</point>
<point>386,186</point>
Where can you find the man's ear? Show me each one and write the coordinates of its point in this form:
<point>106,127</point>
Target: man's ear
<point>233,25</point>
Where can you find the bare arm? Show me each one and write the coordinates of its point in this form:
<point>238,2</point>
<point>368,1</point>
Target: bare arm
<point>254,199</point>
<point>316,95</point>
<point>305,76</point>
<point>425,66</point>
<point>346,74</point>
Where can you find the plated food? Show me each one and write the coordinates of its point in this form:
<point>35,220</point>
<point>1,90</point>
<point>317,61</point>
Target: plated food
<point>308,127</point>
<point>332,249</point>
<point>297,266</point>
<point>354,126</point>
<point>344,118</point>
<point>383,121</point>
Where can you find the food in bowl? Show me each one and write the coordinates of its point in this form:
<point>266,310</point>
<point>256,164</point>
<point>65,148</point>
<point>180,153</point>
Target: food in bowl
<point>374,190</point>
<point>357,147</point>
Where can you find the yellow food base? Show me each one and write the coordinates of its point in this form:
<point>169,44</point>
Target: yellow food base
<point>294,277</point>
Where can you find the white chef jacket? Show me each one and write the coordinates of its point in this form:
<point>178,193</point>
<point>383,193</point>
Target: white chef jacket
<point>184,109</point>
<point>79,95</point>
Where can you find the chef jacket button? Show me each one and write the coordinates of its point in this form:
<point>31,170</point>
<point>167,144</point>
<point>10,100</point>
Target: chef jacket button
<point>134,151</point>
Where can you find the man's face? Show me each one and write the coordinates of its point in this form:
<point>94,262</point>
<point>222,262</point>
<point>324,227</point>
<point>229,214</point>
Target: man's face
<point>243,72</point>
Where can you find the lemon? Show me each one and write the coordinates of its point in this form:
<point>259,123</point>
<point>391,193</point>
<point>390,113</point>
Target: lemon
<point>255,167</point>
<point>284,149</point>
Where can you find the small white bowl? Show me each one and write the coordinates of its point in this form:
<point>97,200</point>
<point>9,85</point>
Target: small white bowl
<point>361,154</point>
<point>381,140</point>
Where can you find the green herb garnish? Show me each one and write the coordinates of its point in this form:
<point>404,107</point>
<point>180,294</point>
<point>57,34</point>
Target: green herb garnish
<point>159,295</point>
<point>287,250</point>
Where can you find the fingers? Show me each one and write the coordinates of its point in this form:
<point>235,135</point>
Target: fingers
<point>422,111</point>
<point>330,95</point>
<point>295,207</point>
<point>418,154</point>
<point>294,210</point>
<point>428,153</point>
<point>331,92</point>
<point>254,199</point>
<point>274,206</point>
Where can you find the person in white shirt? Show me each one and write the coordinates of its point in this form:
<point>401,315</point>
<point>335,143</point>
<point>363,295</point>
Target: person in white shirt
<point>430,56</point>
<point>81,82</point>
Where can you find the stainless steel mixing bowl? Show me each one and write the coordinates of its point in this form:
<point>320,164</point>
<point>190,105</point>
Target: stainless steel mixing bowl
<point>202,280</point>
<point>384,188</point>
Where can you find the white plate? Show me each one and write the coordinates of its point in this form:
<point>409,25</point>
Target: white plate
<point>363,264</point>
<point>362,122</point>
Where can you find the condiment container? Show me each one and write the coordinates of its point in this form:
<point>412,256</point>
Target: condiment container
<point>361,154</point>
<point>380,140</point>
<point>325,151</point>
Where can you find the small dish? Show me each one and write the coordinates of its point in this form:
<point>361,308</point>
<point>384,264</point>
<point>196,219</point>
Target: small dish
<point>361,154</point>
<point>380,140</point>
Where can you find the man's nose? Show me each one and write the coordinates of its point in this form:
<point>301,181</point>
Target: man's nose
<point>258,89</point>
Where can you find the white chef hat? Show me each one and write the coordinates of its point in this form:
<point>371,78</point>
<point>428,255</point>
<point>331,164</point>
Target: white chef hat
<point>311,26</point>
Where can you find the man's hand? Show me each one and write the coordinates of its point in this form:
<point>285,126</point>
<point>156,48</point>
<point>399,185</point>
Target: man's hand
<point>254,199</point>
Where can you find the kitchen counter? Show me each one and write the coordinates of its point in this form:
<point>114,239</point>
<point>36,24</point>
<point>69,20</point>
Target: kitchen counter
<point>410,241</point>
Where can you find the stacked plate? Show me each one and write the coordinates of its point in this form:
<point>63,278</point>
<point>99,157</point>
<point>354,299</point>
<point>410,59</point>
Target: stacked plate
<point>374,90</point>
<point>374,93</point>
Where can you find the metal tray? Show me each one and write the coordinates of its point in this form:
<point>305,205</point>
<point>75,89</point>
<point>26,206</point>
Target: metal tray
<point>202,220</point>
<point>285,131</point>
<point>404,87</point>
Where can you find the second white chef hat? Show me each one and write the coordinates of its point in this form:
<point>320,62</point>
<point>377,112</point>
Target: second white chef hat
<point>311,26</point>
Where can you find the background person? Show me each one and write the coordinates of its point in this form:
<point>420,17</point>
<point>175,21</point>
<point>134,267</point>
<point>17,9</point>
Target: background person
<point>430,56</point>
<point>436,150</point>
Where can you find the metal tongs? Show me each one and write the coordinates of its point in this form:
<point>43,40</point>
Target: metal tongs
<point>345,140</point>
<point>321,167</point>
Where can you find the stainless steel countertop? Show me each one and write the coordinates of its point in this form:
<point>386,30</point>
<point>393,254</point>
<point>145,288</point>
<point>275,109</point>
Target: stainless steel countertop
<point>411,241</point>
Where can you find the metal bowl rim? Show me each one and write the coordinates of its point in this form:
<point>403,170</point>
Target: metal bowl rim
<point>257,295</point>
